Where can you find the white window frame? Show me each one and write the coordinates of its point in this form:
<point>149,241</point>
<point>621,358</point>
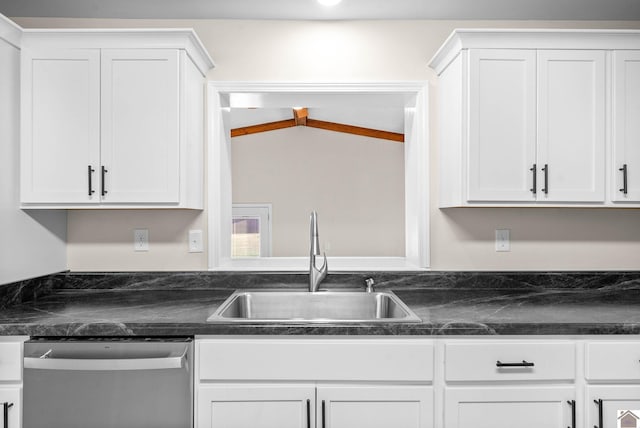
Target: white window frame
<point>412,96</point>
<point>263,212</point>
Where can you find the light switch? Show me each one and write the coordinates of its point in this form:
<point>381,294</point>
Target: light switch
<point>502,240</point>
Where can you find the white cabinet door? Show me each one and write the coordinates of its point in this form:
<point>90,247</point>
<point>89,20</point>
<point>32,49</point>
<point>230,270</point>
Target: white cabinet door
<point>500,407</point>
<point>60,126</point>
<point>626,126</point>
<point>11,403</point>
<point>140,148</point>
<point>571,125</point>
<point>375,406</point>
<point>255,406</point>
<point>606,404</point>
<point>502,125</point>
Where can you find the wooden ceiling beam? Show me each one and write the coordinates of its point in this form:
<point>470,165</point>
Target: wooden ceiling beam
<point>300,116</point>
<point>356,130</point>
<point>263,127</point>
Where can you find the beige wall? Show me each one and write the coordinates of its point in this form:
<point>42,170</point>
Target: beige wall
<point>356,184</point>
<point>542,239</point>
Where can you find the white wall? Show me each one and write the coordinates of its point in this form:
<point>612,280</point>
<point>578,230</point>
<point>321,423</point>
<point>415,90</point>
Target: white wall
<point>356,184</point>
<point>542,238</point>
<point>31,243</point>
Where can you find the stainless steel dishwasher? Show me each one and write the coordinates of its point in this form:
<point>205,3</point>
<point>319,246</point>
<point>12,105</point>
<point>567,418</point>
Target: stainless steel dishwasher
<point>107,383</point>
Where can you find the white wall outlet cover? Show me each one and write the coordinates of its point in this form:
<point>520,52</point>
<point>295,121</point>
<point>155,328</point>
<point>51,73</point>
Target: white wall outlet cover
<point>503,240</point>
<point>141,240</point>
<point>196,244</point>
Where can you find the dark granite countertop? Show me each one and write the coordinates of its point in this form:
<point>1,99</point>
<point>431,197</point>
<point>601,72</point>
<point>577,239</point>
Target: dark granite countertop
<point>169,304</point>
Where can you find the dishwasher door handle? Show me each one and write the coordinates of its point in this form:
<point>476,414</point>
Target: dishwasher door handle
<point>47,362</point>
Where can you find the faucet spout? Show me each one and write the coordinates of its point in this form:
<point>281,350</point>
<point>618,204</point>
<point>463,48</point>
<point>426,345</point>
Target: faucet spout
<point>315,275</point>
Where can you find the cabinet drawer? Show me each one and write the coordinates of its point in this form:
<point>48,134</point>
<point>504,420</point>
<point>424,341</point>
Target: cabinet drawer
<point>512,361</point>
<point>613,361</point>
<point>338,359</point>
<point>10,361</point>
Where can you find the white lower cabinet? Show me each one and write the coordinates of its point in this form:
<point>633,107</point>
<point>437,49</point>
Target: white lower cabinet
<point>405,382</point>
<point>606,404</point>
<point>11,381</point>
<point>612,371</point>
<point>510,360</point>
<point>502,383</point>
<point>613,362</point>
<point>506,407</point>
<point>374,406</point>
<point>312,382</point>
<point>307,405</point>
<point>256,406</point>
<point>11,406</point>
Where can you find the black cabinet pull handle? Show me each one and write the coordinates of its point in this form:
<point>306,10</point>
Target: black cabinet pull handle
<point>599,404</point>
<point>90,172</point>
<point>6,413</point>
<point>572,403</point>
<point>624,179</point>
<point>534,170</point>
<point>545,189</point>
<point>308,413</point>
<point>522,364</point>
<point>323,415</point>
<point>103,187</point>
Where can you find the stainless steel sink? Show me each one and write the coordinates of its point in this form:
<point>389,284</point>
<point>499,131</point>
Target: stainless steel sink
<point>278,306</point>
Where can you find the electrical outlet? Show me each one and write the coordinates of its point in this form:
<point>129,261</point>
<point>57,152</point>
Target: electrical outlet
<point>502,240</point>
<point>141,240</point>
<point>195,241</point>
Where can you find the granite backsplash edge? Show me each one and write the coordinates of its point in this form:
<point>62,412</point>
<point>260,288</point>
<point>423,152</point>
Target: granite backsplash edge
<point>32,289</point>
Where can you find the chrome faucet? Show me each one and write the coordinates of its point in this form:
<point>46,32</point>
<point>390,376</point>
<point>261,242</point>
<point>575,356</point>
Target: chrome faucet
<point>315,275</point>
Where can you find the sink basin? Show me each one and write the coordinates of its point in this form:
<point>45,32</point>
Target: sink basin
<point>278,306</point>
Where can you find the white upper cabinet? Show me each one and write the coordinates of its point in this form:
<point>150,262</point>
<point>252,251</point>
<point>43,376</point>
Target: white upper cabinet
<point>140,108</point>
<point>112,119</point>
<point>525,117</point>
<point>626,127</point>
<point>571,125</point>
<point>60,125</point>
<point>502,134</point>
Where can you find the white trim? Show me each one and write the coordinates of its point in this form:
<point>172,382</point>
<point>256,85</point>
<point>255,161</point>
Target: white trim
<point>413,96</point>
<point>115,38</point>
<point>301,264</point>
<point>10,32</point>
<point>506,38</point>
